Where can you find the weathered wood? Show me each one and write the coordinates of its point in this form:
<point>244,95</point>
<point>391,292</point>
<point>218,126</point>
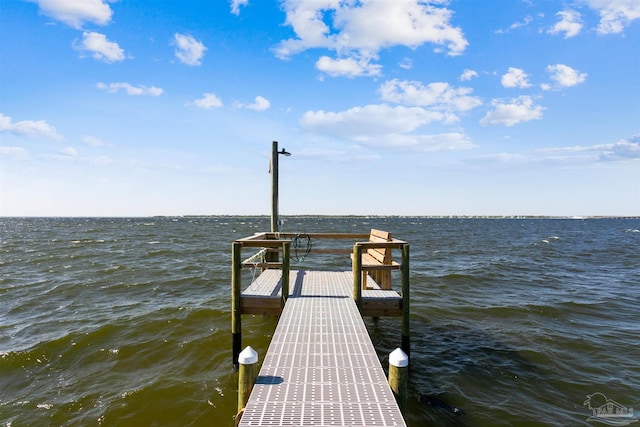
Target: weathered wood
<point>381,307</point>
<point>399,376</point>
<point>273,169</point>
<point>406,334</point>
<point>262,265</point>
<point>330,251</point>
<point>236,310</point>
<point>248,372</point>
<point>265,306</point>
<point>286,247</point>
<point>333,236</point>
<point>376,257</point>
<point>260,243</point>
<point>357,275</point>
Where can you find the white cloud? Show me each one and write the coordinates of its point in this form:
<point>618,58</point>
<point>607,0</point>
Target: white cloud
<point>260,104</point>
<point>130,89</point>
<point>526,21</point>
<point>570,24</point>
<point>188,50</point>
<point>359,30</point>
<point>76,12</point>
<point>69,152</point>
<point>17,153</point>
<point>385,126</point>
<point>101,48</point>
<point>468,75</point>
<point>30,128</point>
<point>564,76</point>
<point>235,5</point>
<point>349,67</point>
<point>92,141</point>
<point>624,149</point>
<point>451,141</point>
<point>440,96</point>
<point>406,64</point>
<point>514,111</point>
<point>208,100</point>
<point>615,15</point>
<point>515,77</point>
<point>360,123</point>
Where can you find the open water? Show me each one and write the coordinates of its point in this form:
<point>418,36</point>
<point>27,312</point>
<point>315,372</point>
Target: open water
<point>126,322</point>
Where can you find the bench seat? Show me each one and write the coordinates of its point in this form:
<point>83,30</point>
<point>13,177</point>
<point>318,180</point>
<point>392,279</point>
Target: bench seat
<point>377,262</point>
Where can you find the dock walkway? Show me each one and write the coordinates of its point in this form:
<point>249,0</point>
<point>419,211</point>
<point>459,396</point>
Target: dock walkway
<point>321,368</point>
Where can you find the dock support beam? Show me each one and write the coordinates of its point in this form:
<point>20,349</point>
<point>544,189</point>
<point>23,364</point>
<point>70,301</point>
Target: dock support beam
<point>286,249</point>
<point>248,360</point>
<point>236,310</point>
<point>398,376</point>
<point>406,333</point>
<point>357,275</point>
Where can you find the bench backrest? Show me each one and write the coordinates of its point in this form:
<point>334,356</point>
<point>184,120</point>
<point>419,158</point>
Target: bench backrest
<point>382,255</point>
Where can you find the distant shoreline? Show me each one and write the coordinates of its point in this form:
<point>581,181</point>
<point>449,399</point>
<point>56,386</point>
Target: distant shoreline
<point>337,216</point>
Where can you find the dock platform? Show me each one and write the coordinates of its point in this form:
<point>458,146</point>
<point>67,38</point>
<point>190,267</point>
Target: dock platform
<point>264,295</point>
<point>321,368</point>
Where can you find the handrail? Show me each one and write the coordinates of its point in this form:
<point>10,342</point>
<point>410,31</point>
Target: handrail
<point>261,243</point>
<point>394,244</point>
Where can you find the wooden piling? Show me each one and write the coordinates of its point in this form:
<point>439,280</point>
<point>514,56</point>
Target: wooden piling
<point>248,372</point>
<point>236,313</point>
<point>406,333</point>
<point>398,376</point>
<point>357,275</point>
<point>286,249</point>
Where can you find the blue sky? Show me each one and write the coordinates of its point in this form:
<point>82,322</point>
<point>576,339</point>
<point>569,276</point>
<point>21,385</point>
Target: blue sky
<point>405,107</point>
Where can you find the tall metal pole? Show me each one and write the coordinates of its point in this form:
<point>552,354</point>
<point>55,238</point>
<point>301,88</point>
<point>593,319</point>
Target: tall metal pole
<point>274,187</point>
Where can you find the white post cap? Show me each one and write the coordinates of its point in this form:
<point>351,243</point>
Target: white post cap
<point>248,356</point>
<point>398,358</point>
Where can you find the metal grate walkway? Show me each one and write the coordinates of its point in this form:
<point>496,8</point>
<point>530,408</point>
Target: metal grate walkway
<point>321,368</point>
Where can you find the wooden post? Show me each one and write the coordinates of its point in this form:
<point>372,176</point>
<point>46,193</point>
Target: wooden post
<point>274,186</point>
<point>357,275</point>
<point>247,376</point>
<point>406,334</point>
<point>286,250</point>
<point>398,376</point>
<point>236,311</point>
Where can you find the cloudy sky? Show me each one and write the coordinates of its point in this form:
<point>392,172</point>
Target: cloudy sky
<point>404,107</point>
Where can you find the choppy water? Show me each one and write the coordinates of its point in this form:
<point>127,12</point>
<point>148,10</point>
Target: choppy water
<point>121,322</point>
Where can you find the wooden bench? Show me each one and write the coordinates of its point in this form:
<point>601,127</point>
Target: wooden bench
<point>377,262</point>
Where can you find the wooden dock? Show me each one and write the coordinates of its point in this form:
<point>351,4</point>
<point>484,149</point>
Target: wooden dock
<point>321,368</point>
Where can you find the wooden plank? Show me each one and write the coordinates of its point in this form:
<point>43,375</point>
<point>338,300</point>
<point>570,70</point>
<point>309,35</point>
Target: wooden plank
<point>346,236</point>
<point>264,306</point>
<point>270,265</point>
<point>384,235</point>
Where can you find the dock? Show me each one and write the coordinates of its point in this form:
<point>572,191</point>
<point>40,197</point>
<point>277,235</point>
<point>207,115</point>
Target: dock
<point>321,368</point>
